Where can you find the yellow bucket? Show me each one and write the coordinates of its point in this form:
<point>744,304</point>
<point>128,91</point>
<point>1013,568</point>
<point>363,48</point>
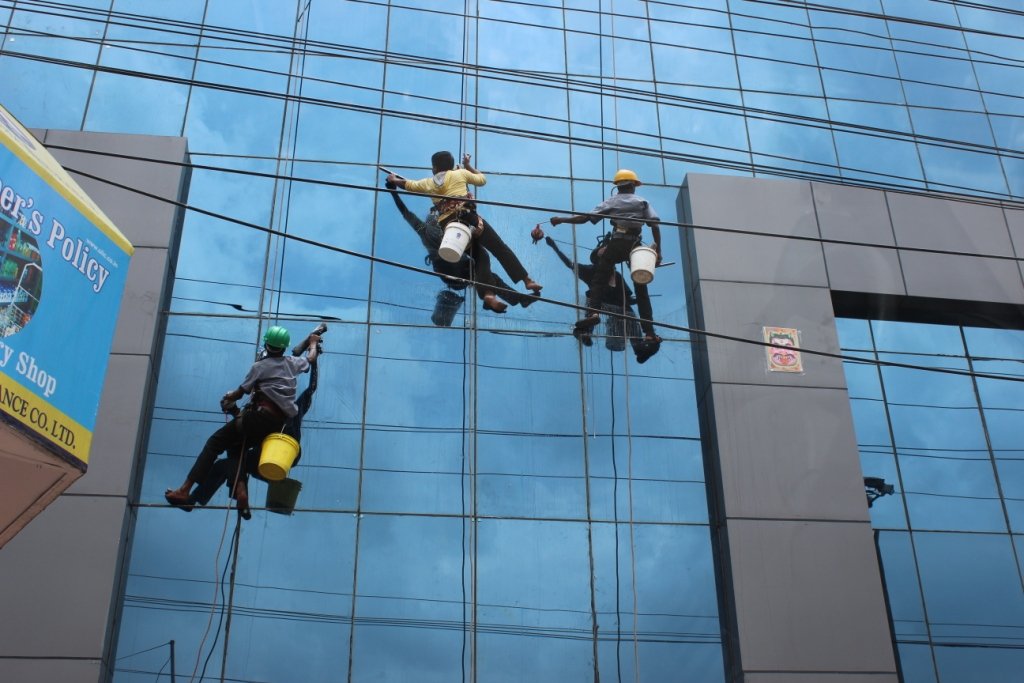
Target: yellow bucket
<point>277,456</point>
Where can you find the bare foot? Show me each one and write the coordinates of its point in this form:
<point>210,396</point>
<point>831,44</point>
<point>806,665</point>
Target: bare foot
<point>533,286</point>
<point>242,500</point>
<point>493,303</point>
<point>179,499</point>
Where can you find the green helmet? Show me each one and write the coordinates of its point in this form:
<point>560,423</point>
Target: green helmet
<point>276,337</point>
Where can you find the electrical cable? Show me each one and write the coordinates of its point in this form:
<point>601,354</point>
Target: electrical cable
<point>829,125</point>
<point>220,620</point>
<point>530,207</point>
<point>678,328</point>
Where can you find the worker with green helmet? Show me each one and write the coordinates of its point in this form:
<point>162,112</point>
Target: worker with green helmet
<point>271,383</point>
<point>628,212</point>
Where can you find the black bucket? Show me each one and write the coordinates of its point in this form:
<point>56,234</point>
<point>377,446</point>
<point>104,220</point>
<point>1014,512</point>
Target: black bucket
<point>445,308</point>
<point>282,494</point>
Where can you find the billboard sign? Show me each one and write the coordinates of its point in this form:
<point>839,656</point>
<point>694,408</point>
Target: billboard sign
<point>63,266</point>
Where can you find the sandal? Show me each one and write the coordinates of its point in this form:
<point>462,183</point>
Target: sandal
<point>175,499</point>
<point>583,336</point>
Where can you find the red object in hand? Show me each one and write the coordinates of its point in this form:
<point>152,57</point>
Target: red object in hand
<point>537,234</point>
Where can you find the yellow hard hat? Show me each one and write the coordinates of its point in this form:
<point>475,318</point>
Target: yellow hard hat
<point>624,175</point>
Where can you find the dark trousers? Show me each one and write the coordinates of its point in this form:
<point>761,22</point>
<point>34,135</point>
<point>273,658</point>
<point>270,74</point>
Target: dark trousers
<point>225,471</point>
<point>488,241</point>
<point>245,431</point>
<point>616,251</point>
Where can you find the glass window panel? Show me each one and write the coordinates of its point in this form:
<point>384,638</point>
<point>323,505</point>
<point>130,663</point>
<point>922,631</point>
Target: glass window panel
<point>323,83</point>
<point>530,476</point>
<point>917,338</point>
<point>435,35</point>
<point>943,492</point>
<point>264,16</point>
<point>406,145</point>
<point>627,59</point>
<point>862,379</point>
<point>871,424</point>
<point>521,106</point>
<point>583,55</point>
<point>920,387</point>
<point>233,123</point>
<point>136,105</point>
<point>972,588</point>
<point>962,664</point>
<point>411,613</point>
<point>284,609</point>
<point>879,159</point>
<point>182,10</point>
<point>148,52</point>
<point>687,66</point>
<point>958,126</point>
<point>1010,469</point>
<point>887,512</point>
<point>766,76</point>
<point>223,64</point>
<point>348,23</point>
<point>854,334</point>
<point>960,170</point>
<point>839,83</point>
<point>326,133</point>
<point>1008,131</point>
<point>522,154</point>
<point>1014,170</point>
<point>901,583</point>
<point>917,664</point>
<point>676,614</point>
<point>511,46</point>
<point>704,30</point>
<point>665,475</point>
<point>45,95</point>
<point>73,36</point>
<point>532,15</point>
<point>534,581</point>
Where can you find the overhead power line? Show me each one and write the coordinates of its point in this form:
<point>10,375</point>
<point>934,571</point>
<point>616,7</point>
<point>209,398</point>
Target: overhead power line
<point>555,302</point>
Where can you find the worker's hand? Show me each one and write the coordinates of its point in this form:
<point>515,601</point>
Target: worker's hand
<point>390,185</point>
<point>227,405</point>
<point>555,220</point>
<point>657,248</point>
<point>465,159</point>
<point>537,234</point>
<point>392,180</point>
<point>314,339</point>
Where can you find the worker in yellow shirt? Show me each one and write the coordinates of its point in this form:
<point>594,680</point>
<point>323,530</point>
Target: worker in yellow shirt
<point>456,204</point>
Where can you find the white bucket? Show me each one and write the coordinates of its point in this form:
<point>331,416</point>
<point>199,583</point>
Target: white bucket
<point>456,239</point>
<point>642,261</point>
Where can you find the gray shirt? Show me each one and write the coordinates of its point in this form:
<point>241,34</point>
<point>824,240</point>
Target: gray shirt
<point>628,212</point>
<point>274,377</point>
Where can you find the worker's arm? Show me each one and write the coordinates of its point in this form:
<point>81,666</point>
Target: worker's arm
<point>565,259</point>
<point>314,348</point>
<point>473,177</point>
<point>575,220</point>
<point>656,233</point>
<point>396,180</point>
<point>412,219</point>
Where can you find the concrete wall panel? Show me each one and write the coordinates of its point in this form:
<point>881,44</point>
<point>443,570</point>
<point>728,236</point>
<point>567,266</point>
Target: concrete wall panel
<point>774,465</point>
<point>57,604</point>
<point>800,611</point>
<point>852,214</point>
<point>936,223</point>
<point>873,270</point>
<point>967,278</point>
<point>742,310</point>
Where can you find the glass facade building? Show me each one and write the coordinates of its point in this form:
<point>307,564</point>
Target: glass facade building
<point>489,500</point>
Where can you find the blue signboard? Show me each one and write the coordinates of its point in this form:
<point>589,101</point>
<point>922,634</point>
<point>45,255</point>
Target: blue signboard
<point>63,267</point>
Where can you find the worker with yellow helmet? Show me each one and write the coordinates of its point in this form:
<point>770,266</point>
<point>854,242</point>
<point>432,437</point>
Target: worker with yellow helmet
<point>627,212</point>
